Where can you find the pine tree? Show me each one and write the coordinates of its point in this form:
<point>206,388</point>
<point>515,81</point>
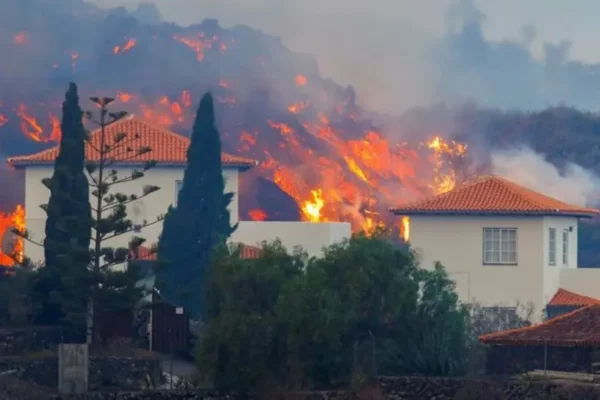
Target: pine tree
<point>200,221</point>
<point>68,223</point>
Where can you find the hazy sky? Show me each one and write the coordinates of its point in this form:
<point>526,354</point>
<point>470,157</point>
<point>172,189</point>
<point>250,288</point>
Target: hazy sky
<point>379,46</point>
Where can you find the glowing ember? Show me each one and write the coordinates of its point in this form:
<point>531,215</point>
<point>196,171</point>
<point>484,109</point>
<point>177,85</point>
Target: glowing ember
<point>200,43</point>
<point>129,44</point>
<point>3,119</point>
<point>297,107</point>
<point>301,80</point>
<point>312,208</point>
<point>257,214</point>
<point>16,219</point>
<point>20,38</point>
<point>32,129</point>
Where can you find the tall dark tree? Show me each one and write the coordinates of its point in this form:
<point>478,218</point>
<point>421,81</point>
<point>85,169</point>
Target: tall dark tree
<point>200,221</point>
<point>68,223</point>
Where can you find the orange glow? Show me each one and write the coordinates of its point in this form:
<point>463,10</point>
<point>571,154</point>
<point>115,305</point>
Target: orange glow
<point>312,208</point>
<point>3,119</point>
<point>14,220</point>
<point>444,181</point>
<point>199,43</point>
<point>125,97</point>
<point>301,80</point>
<point>257,214</point>
<point>129,44</point>
<point>405,228</point>
<point>20,38</point>
<point>297,107</point>
<point>32,129</point>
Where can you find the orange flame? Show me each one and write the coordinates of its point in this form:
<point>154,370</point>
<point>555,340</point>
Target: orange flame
<point>32,129</point>
<point>257,214</point>
<point>444,181</point>
<point>3,119</point>
<point>301,80</point>
<point>405,228</point>
<point>130,44</point>
<point>297,107</point>
<point>15,220</point>
<point>312,208</point>
<point>199,43</point>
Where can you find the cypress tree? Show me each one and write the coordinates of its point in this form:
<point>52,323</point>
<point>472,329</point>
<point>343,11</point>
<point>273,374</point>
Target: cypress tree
<point>200,221</point>
<point>68,223</point>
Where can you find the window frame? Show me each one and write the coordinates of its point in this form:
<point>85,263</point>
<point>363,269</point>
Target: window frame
<point>551,248</point>
<point>500,262</point>
<point>565,247</point>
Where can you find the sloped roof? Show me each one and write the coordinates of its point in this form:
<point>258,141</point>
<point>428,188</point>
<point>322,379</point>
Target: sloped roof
<point>566,298</point>
<point>249,252</point>
<point>492,195</point>
<point>575,329</point>
<point>167,147</point>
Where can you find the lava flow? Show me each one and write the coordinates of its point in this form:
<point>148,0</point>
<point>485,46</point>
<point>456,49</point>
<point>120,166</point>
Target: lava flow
<point>317,149</point>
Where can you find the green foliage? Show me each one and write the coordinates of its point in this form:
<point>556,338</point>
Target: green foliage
<point>16,305</point>
<point>364,308</point>
<point>200,220</point>
<point>58,288</point>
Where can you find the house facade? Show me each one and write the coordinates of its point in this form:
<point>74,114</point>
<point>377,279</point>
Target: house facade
<point>169,151</point>
<point>502,243</point>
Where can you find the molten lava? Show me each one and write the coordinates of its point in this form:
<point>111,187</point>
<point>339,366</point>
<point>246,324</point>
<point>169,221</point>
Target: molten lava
<point>14,250</point>
<point>129,44</point>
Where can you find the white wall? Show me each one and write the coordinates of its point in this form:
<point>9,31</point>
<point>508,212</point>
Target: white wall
<point>457,242</point>
<point>311,236</point>
<point>148,208</point>
<point>552,273</point>
<point>584,281</point>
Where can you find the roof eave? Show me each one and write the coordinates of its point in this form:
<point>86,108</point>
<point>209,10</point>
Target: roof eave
<point>408,212</point>
<point>242,166</point>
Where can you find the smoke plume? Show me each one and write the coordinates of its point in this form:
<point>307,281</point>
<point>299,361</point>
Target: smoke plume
<point>574,185</point>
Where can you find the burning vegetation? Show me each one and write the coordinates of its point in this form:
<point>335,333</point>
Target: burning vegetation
<point>312,140</point>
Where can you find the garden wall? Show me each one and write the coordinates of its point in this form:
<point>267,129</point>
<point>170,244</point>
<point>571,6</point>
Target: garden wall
<point>505,360</point>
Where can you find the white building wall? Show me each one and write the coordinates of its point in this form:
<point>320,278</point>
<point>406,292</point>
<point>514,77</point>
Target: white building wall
<point>148,208</point>
<point>553,273</point>
<point>457,242</point>
<point>584,281</point>
<point>312,237</point>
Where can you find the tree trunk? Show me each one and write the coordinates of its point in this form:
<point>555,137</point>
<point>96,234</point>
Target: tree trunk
<point>89,321</point>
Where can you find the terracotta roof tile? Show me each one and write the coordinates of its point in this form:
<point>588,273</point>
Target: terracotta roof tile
<point>143,254</point>
<point>492,195</point>
<point>575,329</point>
<point>249,252</point>
<point>167,147</point>
<point>565,298</point>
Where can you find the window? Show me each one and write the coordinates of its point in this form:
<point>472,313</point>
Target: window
<point>552,246</point>
<point>565,247</point>
<point>500,246</point>
<point>178,186</point>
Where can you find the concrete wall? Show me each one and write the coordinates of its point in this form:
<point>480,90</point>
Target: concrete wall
<point>552,273</point>
<point>148,208</point>
<point>585,281</point>
<point>312,237</point>
<point>457,242</point>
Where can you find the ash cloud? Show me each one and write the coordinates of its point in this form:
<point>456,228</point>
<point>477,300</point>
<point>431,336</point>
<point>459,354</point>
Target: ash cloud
<point>399,57</point>
<point>574,185</point>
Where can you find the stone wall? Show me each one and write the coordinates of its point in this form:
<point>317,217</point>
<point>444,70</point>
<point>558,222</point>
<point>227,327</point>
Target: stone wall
<point>17,341</point>
<point>395,388</point>
<point>106,373</point>
<point>503,360</point>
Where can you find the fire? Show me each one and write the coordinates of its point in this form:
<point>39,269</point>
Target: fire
<point>3,119</point>
<point>301,80</point>
<point>16,220</point>
<point>405,228</point>
<point>20,38</point>
<point>312,208</point>
<point>298,106</point>
<point>444,181</point>
<point>199,43</point>
<point>257,214</point>
<point>32,129</point>
<point>129,44</point>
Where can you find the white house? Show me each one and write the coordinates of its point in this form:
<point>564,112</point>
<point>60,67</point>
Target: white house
<point>502,243</point>
<point>169,151</point>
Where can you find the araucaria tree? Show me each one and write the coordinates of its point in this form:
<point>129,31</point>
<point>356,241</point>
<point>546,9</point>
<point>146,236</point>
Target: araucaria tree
<point>200,221</point>
<point>109,210</point>
<point>80,229</point>
<point>68,224</point>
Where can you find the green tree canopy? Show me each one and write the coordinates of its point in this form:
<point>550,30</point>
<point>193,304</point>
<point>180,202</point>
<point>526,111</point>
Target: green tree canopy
<point>363,308</point>
<point>200,220</point>
<point>59,288</point>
